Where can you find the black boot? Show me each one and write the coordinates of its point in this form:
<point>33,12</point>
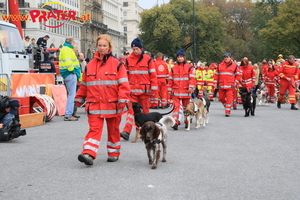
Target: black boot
<point>278,104</point>
<point>175,127</point>
<point>293,107</point>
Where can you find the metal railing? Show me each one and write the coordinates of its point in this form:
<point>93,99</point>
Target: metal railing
<point>5,89</point>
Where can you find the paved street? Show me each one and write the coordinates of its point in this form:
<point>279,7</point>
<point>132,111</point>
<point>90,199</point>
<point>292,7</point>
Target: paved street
<point>231,158</point>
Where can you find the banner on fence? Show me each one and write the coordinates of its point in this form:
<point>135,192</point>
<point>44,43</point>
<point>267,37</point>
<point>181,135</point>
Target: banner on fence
<point>29,84</point>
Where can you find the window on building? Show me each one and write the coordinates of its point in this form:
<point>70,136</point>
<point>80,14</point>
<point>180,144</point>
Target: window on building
<point>124,15</point>
<point>125,4</point>
<point>125,27</point>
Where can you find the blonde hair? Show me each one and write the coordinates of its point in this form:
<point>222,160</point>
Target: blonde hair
<point>107,38</point>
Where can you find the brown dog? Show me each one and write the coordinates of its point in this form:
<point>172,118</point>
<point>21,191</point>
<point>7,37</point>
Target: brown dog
<point>195,108</point>
<point>298,98</point>
<point>154,134</point>
<point>140,118</point>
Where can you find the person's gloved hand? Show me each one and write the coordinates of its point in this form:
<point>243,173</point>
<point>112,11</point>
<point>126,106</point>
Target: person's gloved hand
<point>122,105</point>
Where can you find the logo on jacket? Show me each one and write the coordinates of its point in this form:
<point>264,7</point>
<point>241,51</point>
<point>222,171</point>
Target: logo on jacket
<point>161,68</point>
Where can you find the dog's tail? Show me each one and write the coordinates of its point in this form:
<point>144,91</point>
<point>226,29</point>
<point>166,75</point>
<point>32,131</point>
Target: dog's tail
<point>168,120</point>
<point>169,111</point>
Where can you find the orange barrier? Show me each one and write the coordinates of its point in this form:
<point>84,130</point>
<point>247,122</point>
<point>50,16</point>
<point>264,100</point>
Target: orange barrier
<point>29,84</point>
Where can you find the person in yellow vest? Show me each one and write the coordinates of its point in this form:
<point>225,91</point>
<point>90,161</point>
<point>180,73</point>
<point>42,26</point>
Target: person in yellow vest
<point>210,73</point>
<point>200,78</point>
<point>280,59</point>
<point>69,68</point>
<point>170,64</point>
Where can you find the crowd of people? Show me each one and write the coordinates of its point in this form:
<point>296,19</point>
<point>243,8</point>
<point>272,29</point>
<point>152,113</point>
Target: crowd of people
<point>109,84</point>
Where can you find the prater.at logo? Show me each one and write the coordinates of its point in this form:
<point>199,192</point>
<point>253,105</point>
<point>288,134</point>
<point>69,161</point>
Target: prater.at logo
<point>44,16</point>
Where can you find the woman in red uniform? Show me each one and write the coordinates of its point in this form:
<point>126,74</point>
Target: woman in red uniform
<point>248,75</point>
<point>270,80</point>
<point>182,84</point>
<point>105,89</point>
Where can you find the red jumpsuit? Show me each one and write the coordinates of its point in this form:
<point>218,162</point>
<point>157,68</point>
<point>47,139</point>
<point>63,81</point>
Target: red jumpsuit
<point>162,72</point>
<point>105,88</point>
<point>288,70</point>
<point>143,82</point>
<point>226,77</point>
<point>270,81</point>
<point>264,71</point>
<point>248,76</point>
<point>182,77</point>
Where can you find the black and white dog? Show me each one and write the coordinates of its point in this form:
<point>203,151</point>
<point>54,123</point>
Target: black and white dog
<point>206,103</point>
<point>249,101</point>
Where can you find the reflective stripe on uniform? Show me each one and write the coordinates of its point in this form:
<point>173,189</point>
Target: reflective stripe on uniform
<point>79,100</point>
<point>140,91</point>
<point>113,144</point>
<point>93,141</point>
<point>181,94</point>
<point>181,79</point>
<point>113,150</point>
<point>138,72</point>
<point>94,83</point>
<point>90,148</point>
<point>104,112</point>
<point>121,80</point>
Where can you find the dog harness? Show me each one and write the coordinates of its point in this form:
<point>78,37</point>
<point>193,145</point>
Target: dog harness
<point>196,108</point>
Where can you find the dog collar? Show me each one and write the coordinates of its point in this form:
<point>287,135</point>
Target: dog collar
<point>154,142</point>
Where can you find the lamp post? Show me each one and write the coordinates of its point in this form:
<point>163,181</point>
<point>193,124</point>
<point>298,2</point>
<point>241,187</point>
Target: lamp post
<point>194,57</point>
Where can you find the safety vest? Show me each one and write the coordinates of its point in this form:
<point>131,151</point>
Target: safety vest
<point>68,63</point>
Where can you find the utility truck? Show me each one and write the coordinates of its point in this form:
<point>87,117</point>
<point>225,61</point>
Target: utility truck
<point>13,58</point>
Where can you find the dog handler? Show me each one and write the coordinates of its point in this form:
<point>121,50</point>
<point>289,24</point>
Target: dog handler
<point>182,84</point>
<point>288,74</point>
<point>142,80</point>
<point>105,89</point>
<point>226,79</point>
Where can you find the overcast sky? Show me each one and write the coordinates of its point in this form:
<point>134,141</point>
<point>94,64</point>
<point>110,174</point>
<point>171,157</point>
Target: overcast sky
<point>147,4</point>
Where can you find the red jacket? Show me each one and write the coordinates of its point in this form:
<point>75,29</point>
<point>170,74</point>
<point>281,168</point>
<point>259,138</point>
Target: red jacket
<point>103,86</point>
<point>248,76</point>
<point>288,70</point>
<point>264,71</point>
<point>141,74</point>
<point>271,76</point>
<point>182,77</point>
<point>227,75</point>
<point>162,69</point>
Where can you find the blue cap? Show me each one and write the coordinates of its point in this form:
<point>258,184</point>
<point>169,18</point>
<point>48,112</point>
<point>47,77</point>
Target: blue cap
<point>180,52</point>
<point>137,43</point>
<point>46,53</point>
<point>227,54</point>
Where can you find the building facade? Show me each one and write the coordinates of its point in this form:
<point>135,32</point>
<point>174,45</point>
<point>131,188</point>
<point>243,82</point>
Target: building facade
<point>112,16</point>
<point>57,30</point>
<point>117,18</point>
<point>131,20</point>
<point>90,30</point>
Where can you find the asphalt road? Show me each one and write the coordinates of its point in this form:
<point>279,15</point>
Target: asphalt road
<point>231,158</point>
